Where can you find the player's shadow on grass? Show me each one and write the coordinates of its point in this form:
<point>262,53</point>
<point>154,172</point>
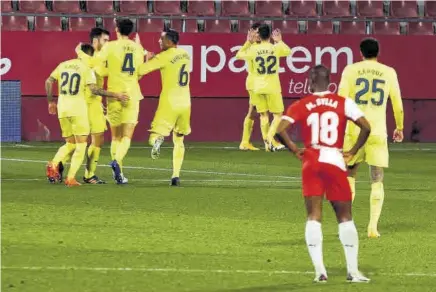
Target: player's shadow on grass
<point>292,242</point>
<point>286,287</point>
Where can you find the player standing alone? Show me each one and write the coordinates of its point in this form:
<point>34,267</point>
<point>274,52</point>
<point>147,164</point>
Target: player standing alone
<point>267,91</point>
<point>174,111</point>
<point>370,83</point>
<point>323,117</point>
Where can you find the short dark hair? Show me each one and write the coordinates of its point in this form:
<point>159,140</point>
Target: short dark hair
<point>87,49</point>
<point>264,31</point>
<point>96,32</point>
<point>172,35</point>
<point>256,25</point>
<point>125,26</point>
<point>369,48</point>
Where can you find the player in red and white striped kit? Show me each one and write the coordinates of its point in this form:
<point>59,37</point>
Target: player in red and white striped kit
<point>323,117</point>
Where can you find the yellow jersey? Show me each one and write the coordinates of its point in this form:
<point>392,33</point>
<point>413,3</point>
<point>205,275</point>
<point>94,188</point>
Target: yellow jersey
<point>250,68</point>
<point>91,62</point>
<point>73,77</point>
<point>370,84</point>
<point>174,65</point>
<point>123,58</point>
<point>265,58</point>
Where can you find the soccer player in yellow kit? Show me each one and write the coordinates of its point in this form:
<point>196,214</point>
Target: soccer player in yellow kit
<point>97,120</point>
<point>174,110</point>
<point>266,83</point>
<point>123,58</point>
<point>73,77</point>
<point>370,84</point>
<point>249,119</point>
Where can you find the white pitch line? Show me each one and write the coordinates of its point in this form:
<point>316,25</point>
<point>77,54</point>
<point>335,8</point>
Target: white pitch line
<point>202,271</point>
<point>166,180</point>
<point>167,169</point>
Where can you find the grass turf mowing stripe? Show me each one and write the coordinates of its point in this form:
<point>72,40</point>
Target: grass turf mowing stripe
<point>175,270</point>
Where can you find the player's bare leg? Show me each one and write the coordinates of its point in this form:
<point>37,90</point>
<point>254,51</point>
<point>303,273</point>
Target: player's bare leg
<point>76,160</point>
<point>122,149</point>
<point>349,239</point>
<point>55,167</point>
<point>248,129</point>
<point>178,156</point>
<point>92,156</point>
<point>351,177</point>
<point>376,200</point>
<point>313,235</point>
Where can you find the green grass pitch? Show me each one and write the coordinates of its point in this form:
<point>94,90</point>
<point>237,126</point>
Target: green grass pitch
<point>236,224</point>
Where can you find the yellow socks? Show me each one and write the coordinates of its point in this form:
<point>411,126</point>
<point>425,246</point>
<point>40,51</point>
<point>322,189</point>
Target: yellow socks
<point>76,160</point>
<point>352,182</point>
<point>93,155</point>
<point>178,154</point>
<point>264,126</point>
<point>114,146</point>
<point>376,204</point>
<point>122,149</point>
<point>248,129</point>
<point>64,153</point>
<point>272,129</point>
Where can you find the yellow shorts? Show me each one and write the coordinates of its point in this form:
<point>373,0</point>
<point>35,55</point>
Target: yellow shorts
<point>119,113</point>
<point>96,117</point>
<point>165,121</point>
<point>74,126</point>
<point>272,103</point>
<point>375,151</point>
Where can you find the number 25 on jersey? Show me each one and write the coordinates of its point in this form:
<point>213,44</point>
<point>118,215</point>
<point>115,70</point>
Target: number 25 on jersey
<point>324,127</point>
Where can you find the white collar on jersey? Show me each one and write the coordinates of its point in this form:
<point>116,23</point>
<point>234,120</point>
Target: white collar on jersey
<point>321,93</point>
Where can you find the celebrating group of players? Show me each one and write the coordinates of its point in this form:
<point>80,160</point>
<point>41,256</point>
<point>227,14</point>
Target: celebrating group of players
<point>339,130</point>
<point>80,109</point>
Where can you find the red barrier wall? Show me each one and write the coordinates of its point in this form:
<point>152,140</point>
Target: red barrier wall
<point>31,56</point>
<point>219,119</point>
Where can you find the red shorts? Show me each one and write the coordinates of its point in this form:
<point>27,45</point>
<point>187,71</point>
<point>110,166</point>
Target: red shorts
<point>322,178</point>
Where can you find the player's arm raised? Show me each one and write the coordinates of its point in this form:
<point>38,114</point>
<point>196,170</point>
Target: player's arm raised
<point>354,114</point>
<point>154,64</point>
<point>244,52</point>
<point>52,107</point>
<point>281,49</point>
<point>397,107</point>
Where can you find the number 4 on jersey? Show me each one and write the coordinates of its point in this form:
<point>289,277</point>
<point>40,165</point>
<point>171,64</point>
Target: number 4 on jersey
<point>128,64</point>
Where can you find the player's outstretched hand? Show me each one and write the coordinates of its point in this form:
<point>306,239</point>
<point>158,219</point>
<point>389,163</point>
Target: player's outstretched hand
<point>149,56</point>
<point>251,36</point>
<point>52,108</point>
<point>123,97</point>
<point>398,136</point>
<point>137,39</point>
<point>78,48</point>
<point>277,35</point>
